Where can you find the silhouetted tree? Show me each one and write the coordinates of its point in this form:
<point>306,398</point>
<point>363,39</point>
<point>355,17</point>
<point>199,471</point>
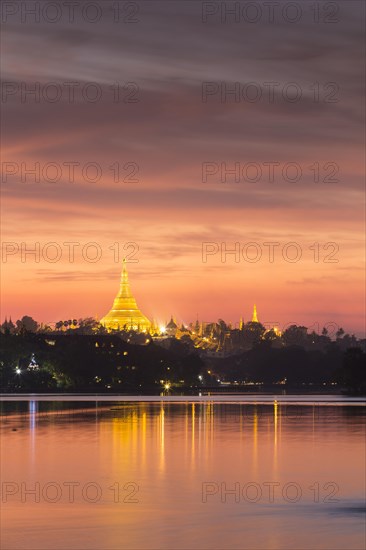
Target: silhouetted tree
<point>295,336</point>
<point>353,371</point>
<point>27,324</point>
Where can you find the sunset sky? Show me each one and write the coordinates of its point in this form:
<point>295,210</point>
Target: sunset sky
<point>169,133</point>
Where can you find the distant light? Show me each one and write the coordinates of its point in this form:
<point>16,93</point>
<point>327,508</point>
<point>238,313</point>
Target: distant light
<point>18,371</point>
<point>50,342</point>
<point>167,386</point>
<point>200,377</point>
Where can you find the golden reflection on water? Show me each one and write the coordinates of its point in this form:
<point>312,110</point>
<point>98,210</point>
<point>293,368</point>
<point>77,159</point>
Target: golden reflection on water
<point>276,420</point>
<point>201,428</point>
<point>162,437</point>
<point>255,441</point>
<point>134,431</point>
<point>33,408</point>
<point>193,433</point>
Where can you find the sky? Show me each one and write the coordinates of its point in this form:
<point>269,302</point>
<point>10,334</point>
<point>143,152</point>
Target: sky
<point>173,133</point>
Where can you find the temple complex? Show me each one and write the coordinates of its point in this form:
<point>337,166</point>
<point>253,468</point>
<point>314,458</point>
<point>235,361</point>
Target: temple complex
<point>211,337</point>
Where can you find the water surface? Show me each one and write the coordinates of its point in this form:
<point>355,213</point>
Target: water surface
<point>189,473</point>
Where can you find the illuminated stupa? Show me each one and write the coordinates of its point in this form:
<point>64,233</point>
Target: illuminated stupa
<point>125,315</point>
<point>255,318</point>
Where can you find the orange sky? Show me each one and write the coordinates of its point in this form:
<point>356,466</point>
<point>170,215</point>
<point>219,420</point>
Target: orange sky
<point>169,134</point>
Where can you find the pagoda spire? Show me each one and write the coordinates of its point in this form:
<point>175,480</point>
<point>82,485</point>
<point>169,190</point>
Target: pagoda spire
<point>255,318</point>
<point>124,289</point>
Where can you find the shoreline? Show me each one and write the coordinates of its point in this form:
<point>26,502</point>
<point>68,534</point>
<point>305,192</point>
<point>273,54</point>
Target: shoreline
<point>265,399</point>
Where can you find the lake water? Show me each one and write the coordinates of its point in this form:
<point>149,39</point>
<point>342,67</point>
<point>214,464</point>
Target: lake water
<point>251,472</point>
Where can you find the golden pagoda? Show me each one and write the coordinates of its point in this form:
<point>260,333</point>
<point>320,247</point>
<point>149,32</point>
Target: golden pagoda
<point>255,318</point>
<point>125,315</point>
